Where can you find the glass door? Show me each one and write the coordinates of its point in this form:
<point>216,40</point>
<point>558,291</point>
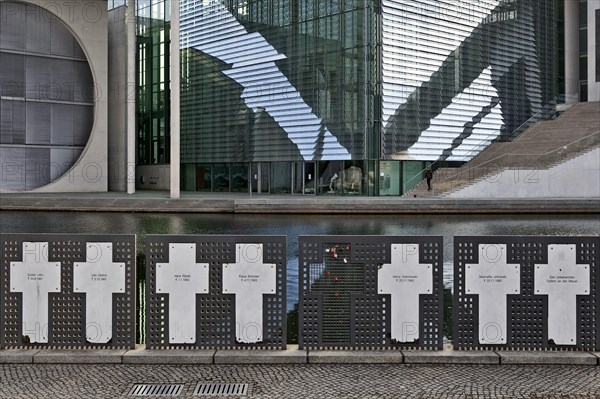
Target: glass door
<point>260,175</point>
<point>303,178</point>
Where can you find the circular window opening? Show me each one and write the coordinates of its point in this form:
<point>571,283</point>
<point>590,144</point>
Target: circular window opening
<point>46,97</point>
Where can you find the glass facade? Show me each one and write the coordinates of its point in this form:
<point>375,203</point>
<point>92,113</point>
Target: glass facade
<point>458,75</point>
<point>46,97</point>
<point>343,97</point>
<point>153,81</point>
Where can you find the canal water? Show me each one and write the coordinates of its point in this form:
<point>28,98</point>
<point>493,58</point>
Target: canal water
<point>294,226</point>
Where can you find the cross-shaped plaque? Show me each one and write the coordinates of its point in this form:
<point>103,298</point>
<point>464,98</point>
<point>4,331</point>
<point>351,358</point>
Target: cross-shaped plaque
<point>405,279</point>
<point>35,277</point>
<point>98,278</point>
<point>562,279</point>
<point>249,279</point>
<point>182,279</point>
<point>492,279</point>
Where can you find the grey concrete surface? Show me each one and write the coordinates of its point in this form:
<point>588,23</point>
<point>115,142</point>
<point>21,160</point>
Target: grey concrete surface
<point>356,381</point>
<point>356,357</point>
<point>450,357</point>
<point>142,356</point>
<point>292,355</point>
<point>78,356</point>
<point>15,356</point>
<point>158,201</point>
<point>531,357</point>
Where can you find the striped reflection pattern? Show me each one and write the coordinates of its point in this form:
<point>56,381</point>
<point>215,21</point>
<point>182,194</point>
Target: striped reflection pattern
<point>458,74</point>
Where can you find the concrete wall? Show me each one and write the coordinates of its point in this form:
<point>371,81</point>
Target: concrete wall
<point>119,94</point>
<point>593,40</point>
<point>153,177</point>
<point>88,21</point>
<point>576,178</point>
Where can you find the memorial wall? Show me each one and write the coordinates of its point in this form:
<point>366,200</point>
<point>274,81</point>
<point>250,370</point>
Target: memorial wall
<point>355,292</point>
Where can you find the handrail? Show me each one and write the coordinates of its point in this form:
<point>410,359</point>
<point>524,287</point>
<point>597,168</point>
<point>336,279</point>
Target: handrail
<point>547,110</point>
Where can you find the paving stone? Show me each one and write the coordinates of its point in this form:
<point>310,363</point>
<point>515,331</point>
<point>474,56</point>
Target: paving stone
<point>79,356</point>
<point>308,381</point>
<point>291,355</point>
<point>450,357</point>
<point>141,355</point>
<point>533,357</point>
<point>341,357</point>
<point>20,356</point>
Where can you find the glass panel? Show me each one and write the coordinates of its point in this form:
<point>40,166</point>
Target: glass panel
<point>389,178</point>
<point>282,177</point>
<point>354,178</point>
<point>188,177</point>
<point>330,177</point>
<point>203,178</point>
<point>412,174</point>
<point>221,177</point>
<point>239,177</point>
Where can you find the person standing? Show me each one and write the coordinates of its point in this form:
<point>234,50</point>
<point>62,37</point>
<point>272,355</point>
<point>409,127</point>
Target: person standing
<point>428,176</point>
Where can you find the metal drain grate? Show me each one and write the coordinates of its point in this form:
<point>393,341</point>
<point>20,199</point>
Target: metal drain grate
<point>156,390</point>
<point>203,389</point>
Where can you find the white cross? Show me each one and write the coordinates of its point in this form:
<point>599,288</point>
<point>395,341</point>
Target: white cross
<point>35,277</point>
<point>182,278</point>
<point>98,278</point>
<point>492,279</point>
<point>562,279</point>
<point>249,278</point>
<point>405,279</point>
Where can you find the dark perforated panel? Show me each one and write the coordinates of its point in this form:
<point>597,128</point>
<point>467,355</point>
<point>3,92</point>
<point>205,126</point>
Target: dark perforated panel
<point>340,307</point>
<point>527,313</point>
<point>215,311</point>
<point>66,309</point>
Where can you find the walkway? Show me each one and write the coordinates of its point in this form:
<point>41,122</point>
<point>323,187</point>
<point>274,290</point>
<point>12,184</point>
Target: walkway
<point>158,201</point>
<point>308,381</point>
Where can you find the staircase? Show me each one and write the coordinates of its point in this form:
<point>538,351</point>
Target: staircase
<point>543,145</point>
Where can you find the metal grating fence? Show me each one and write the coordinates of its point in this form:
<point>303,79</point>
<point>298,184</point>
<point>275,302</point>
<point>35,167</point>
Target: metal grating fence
<point>47,263</point>
<point>213,311</point>
<point>551,304</point>
<point>343,303</point>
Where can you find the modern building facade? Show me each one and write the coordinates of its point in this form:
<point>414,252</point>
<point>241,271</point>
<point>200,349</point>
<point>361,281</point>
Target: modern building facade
<point>331,97</point>
<point>354,97</point>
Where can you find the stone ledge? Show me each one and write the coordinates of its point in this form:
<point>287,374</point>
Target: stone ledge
<point>79,356</point>
<point>140,355</point>
<point>17,356</point>
<point>533,357</point>
<point>450,357</point>
<point>368,357</point>
<point>292,355</point>
<point>597,354</point>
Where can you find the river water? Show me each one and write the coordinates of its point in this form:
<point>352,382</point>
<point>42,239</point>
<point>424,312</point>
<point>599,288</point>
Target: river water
<point>293,226</point>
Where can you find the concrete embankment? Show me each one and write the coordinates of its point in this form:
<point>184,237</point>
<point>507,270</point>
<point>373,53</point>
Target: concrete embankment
<point>277,204</point>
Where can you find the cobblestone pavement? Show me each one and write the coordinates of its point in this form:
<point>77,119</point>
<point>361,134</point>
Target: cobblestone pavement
<point>308,381</point>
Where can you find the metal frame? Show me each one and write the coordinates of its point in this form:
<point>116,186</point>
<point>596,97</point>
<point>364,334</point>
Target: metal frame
<point>215,312</point>
<point>369,323</point>
<point>527,313</point>
<point>67,309</point>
